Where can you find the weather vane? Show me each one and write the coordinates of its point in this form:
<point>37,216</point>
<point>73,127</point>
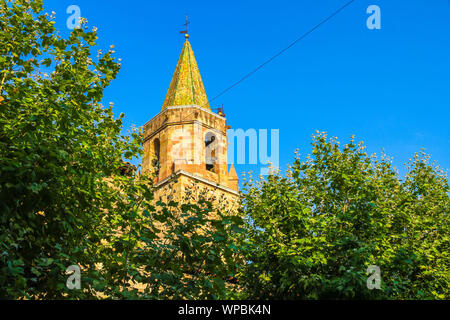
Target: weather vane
<point>186,26</point>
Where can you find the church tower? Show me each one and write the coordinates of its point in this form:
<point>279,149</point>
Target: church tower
<point>186,142</point>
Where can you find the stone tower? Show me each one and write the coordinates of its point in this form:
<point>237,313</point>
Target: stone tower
<point>186,141</point>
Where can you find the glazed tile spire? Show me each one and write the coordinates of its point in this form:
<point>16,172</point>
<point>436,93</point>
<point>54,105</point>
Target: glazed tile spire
<point>186,87</point>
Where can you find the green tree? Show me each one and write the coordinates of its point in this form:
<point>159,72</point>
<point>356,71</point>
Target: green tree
<point>57,146</point>
<point>313,233</point>
<point>64,199</point>
<point>183,250</point>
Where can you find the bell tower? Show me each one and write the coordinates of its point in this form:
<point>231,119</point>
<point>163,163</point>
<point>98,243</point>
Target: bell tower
<point>186,140</point>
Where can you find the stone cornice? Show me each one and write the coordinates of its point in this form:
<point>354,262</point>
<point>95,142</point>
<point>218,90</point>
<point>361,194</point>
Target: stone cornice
<point>193,106</point>
<point>201,179</point>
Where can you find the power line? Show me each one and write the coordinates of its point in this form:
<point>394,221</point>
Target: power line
<point>284,50</point>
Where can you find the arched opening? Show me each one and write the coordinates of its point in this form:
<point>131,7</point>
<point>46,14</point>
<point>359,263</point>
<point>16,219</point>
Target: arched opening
<point>210,151</point>
<point>156,156</point>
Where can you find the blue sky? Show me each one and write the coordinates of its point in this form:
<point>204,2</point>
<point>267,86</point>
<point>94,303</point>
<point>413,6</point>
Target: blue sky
<point>389,87</point>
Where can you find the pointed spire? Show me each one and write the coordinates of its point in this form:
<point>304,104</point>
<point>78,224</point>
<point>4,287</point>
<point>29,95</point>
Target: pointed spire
<point>233,180</point>
<point>232,173</point>
<point>186,87</point>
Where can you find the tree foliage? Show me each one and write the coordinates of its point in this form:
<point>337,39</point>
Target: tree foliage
<point>63,199</point>
<point>313,233</point>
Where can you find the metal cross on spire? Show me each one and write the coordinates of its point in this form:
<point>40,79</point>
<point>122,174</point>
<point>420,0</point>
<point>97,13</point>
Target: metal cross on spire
<point>186,25</point>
